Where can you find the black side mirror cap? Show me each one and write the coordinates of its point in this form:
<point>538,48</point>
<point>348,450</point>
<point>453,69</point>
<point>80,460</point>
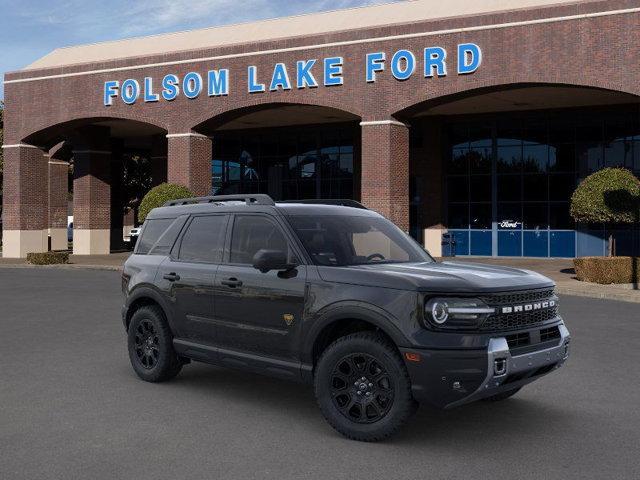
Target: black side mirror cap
<point>266,260</point>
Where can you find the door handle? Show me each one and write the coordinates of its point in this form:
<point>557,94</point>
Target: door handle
<point>172,277</point>
<point>231,282</point>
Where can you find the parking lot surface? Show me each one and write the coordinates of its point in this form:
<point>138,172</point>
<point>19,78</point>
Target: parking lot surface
<point>72,408</point>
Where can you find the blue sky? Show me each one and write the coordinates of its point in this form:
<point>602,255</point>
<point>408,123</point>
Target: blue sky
<point>30,29</point>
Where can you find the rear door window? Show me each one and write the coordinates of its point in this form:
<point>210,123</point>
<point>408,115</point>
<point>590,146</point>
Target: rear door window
<point>203,241</point>
<point>151,232</point>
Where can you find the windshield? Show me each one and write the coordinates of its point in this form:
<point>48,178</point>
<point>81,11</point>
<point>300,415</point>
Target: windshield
<point>339,240</point>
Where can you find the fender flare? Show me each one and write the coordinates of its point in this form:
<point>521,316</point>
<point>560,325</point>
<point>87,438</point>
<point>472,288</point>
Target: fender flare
<point>147,291</point>
<point>352,310</point>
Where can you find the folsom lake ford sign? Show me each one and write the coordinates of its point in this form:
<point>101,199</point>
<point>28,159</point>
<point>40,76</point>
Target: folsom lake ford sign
<point>308,73</point>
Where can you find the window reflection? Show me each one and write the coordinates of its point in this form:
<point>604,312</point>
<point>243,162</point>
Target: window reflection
<point>539,158</point>
<point>287,163</point>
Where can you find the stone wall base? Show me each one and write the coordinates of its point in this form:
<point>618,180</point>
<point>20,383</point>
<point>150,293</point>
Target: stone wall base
<point>58,238</point>
<point>433,240</point>
<point>17,243</point>
<point>91,242</point>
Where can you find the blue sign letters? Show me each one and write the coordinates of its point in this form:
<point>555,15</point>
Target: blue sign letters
<point>432,61</point>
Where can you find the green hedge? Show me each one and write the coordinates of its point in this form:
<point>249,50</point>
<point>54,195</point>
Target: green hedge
<point>158,196</point>
<point>607,270</point>
<point>611,195</point>
<point>48,258</point>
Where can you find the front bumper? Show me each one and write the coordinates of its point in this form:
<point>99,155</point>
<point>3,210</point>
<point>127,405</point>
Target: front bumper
<point>449,378</point>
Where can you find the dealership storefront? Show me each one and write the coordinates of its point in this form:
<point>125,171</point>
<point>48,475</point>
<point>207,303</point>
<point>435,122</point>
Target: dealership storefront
<point>462,119</point>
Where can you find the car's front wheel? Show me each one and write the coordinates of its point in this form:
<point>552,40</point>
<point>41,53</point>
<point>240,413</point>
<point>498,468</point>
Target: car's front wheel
<point>150,345</point>
<point>363,388</point>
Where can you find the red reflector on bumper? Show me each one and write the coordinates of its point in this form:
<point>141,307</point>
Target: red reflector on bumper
<point>412,357</point>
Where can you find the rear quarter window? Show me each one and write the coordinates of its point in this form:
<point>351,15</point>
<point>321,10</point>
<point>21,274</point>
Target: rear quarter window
<point>151,232</point>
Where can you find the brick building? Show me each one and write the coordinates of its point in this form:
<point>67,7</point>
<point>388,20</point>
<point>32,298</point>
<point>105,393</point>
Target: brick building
<point>474,117</point>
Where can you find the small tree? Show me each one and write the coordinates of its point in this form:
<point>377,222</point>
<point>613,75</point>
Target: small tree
<point>611,195</point>
<point>136,180</point>
<point>159,195</point>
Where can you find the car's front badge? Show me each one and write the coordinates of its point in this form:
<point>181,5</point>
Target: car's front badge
<point>288,318</point>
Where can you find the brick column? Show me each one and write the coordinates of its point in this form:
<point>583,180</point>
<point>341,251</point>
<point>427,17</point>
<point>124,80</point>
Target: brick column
<point>385,170</point>
<point>91,191</point>
<point>158,160</point>
<point>117,190</point>
<point>189,161</point>
<point>58,191</point>
<point>25,210</point>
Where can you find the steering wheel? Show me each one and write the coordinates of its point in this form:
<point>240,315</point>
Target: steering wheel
<point>374,256</point>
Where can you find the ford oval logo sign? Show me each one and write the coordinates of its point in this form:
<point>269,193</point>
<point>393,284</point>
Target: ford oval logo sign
<point>509,224</point>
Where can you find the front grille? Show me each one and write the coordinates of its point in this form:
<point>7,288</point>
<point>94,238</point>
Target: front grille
<point>508,321</point>
<point>515,298</point>
<point>515,320</point>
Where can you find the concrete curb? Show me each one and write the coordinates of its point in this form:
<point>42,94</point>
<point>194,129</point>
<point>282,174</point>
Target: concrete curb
<point>623,296</point>
<point>68,266</point>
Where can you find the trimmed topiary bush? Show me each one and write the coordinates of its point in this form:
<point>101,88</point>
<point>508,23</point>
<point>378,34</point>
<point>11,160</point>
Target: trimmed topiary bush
<point>158,196</point>
<point>611,195</point>
<point>607,270</point>
<point>48,258</point>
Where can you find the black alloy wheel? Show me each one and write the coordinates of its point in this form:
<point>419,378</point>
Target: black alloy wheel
<point>361,388</point>
<point>150,345</point>
<point>146,344</point>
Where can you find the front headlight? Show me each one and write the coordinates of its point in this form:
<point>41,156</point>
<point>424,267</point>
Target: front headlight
<point>452,313</point>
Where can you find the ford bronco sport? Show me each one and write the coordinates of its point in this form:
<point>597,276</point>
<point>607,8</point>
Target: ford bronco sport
<point>333,294</point>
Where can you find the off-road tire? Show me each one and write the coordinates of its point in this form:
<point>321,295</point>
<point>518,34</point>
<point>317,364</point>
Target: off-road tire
<point>155,361</point>
<point>502,396</point>
<point>376,354</point>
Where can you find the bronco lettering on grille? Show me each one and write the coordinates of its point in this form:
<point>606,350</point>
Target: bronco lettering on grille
<point>529,307</point>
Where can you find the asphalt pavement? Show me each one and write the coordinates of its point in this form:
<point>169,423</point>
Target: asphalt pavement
<point>72,408</point>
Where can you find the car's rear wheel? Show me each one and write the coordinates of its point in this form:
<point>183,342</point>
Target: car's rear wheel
<point>150,345</point>
<point>363,388</point>
<point>502,396</point>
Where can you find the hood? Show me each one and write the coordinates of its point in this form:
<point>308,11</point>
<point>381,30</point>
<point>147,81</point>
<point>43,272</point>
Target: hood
<point>445,277</point>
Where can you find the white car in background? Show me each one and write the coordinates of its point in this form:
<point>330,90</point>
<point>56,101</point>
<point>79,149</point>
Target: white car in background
<point>133,237</point>
<point>70,228</point>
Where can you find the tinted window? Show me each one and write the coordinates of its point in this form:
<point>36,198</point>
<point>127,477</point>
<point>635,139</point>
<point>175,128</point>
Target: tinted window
<point>253,233</point>
<point>151,233</point>
<point>204,239</point>
<point>168,238</point>
<point>342,240</point>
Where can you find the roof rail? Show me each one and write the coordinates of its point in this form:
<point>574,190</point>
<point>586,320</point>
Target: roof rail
<point>340,202</point>
<point>256,199</point>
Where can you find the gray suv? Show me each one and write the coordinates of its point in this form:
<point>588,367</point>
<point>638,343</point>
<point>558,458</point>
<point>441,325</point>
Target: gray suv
<point>332,294</point>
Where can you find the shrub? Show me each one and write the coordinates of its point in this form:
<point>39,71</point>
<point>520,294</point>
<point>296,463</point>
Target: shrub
<point>611,195</point>
<point>48,258</point>
<point>158,196</point>
<point>606,270</point>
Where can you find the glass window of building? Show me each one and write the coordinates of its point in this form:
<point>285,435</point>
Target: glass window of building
<point>286,163</point>
<point>517,187</point>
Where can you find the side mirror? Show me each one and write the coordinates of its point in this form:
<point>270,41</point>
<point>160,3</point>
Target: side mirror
<point>265,260</point>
